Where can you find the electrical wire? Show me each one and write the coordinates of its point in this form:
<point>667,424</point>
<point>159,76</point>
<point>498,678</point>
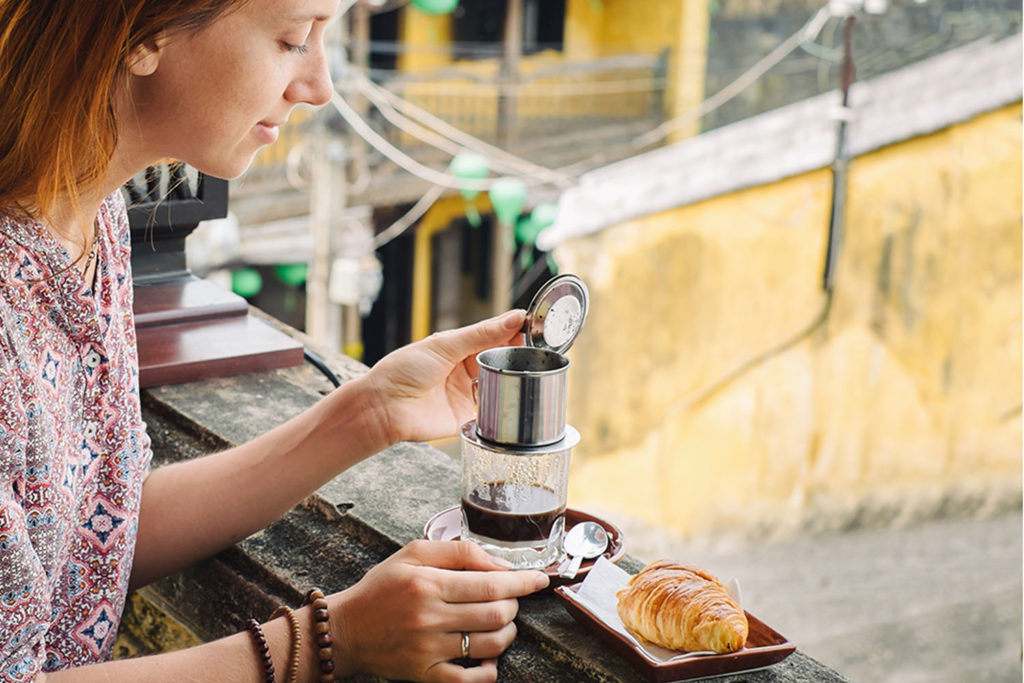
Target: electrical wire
<point>470,142</point>
<point>390,106</point>
<point>808,32</point>
<point>433,130</point>
<point>698,397</point>
<point>403,123</point>
<point>317,362</point>
<point>375,139</point>
<point>525,89</point>
<point>835,231</point>
<point>410,217</point>
<point>447,144</point>
<point>407,163</point>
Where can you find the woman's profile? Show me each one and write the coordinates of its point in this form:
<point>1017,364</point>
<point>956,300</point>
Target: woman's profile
<point>93,93</point>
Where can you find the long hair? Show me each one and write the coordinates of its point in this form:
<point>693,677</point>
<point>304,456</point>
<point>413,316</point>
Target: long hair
<point>61,64</point>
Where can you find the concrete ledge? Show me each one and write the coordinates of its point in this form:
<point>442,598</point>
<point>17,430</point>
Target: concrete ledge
<point>336,535</point>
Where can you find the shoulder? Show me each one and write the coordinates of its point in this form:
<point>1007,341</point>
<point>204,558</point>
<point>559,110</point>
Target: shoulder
<point>114,218</point>
<point>22,253</point>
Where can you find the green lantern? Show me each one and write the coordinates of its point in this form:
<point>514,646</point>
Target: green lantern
<point>246,282</point>
<point>470,166</point>
<point>529,227</point>
<point>544,215</point>
<point>435,7</point>
<point>508,196</point>
<point>292,274</point>
<point>526,231</point>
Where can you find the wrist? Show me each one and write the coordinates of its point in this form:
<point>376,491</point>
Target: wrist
<point>345,664</point>
<point>375,420</point>
<point>354,415</point>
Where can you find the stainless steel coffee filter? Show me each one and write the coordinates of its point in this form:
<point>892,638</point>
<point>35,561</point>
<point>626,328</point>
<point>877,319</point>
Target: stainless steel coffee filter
<point>557,313</point>
<point>521,399</point>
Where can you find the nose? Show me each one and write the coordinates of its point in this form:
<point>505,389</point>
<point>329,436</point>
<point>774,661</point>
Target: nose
<point>312,86</point>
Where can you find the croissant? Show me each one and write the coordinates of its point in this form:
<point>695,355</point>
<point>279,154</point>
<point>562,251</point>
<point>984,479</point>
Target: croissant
<point>682,607</point>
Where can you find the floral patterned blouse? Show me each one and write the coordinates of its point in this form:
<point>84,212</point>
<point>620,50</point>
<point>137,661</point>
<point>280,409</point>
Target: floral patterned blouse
<point>73,447</point>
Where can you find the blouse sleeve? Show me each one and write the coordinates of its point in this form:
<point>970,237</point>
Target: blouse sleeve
<point>24,599</point>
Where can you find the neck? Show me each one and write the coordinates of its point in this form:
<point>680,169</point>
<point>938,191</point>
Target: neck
<point>72,224</point>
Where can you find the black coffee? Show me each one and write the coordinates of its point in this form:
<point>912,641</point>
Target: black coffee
<point>512,513</point>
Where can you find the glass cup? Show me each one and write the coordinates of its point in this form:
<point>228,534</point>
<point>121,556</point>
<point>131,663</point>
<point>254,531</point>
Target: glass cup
<point>513,498</point>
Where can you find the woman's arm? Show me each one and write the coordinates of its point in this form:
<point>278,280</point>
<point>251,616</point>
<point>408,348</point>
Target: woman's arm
<point>404,620</point>
<point>193,509</point>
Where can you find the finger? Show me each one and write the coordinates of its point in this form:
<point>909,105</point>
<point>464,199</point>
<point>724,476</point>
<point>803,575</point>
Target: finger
<point>455,345</point>
<point>484,644</point>
<point>459,587</point>
<point>447,672</point>
<point>452,555</point>
<point>473,368</point>
<point>476,616</point>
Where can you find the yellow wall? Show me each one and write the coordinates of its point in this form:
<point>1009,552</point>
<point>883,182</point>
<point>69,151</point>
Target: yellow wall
<point>592,30</point>
<point>910,392</point>
<point>420,34</point>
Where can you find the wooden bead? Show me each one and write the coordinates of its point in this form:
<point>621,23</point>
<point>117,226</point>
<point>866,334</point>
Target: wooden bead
<point>262,649</point>
<point>322,632</point>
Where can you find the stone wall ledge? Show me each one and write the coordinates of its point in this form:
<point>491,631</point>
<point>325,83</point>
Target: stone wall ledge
<point>349,525</point>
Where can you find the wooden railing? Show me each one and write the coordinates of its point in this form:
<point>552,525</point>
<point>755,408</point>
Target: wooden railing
<point>547,101</point>
<point>577,105</point>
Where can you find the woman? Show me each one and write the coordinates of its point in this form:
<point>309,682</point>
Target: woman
<point>93,93</point>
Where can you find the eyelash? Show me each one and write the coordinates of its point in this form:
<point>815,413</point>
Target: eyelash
<point>297,49</point>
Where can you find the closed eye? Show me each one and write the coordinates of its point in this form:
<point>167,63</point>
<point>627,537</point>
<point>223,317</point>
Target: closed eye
<point>297,49</point>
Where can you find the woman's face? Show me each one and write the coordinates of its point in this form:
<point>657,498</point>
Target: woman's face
<point>213,98</point>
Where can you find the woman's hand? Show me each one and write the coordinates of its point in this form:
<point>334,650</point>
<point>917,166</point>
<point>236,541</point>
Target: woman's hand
<point>423,391</point>
<point>405,618</point>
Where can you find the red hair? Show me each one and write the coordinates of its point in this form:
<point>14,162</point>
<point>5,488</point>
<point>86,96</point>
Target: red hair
<point>61,63</point>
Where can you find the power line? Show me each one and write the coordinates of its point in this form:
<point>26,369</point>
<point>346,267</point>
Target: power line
<point>498,156</point>
<point>808,32</point>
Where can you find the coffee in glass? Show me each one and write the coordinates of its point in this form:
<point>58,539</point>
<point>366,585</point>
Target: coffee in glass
<point>513,498</point>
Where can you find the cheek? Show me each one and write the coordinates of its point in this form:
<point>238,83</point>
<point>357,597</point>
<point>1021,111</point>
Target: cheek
<point>210,115</point>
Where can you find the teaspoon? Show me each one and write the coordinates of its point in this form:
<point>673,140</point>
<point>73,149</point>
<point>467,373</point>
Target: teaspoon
<point>585,541</point>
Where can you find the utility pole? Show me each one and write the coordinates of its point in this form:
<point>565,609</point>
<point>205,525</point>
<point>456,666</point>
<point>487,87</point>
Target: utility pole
<point>508,84</point>
<point>327,207</point>
<point>508,74</point>
<point>841,162</point>
<point>326,212</point>
<point>352,322</point>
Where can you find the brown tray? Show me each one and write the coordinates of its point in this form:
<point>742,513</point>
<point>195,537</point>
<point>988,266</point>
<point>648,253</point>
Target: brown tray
<point>764,647</point>
<point>447,526</point>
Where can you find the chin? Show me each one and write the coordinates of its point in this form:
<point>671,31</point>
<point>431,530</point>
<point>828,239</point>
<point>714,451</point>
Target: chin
<point>226,168</point>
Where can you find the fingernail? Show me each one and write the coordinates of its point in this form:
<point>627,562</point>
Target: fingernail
<point>542,581</point>
<point>501,562</point>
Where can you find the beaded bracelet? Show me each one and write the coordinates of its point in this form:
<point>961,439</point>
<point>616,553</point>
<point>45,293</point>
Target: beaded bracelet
<point>322,634</point>
<point>293,655</point>
<point>262,648</point>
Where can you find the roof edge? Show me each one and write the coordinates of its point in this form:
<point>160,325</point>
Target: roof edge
<point>916,100</point>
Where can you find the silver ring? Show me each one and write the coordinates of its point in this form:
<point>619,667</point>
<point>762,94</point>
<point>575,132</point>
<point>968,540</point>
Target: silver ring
<point>465,645</point>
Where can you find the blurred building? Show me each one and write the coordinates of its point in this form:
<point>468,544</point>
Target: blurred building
<point>718,385</point>
<point>723,389</point>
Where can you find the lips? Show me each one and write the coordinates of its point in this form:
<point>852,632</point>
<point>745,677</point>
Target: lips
<point>267,131</point>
